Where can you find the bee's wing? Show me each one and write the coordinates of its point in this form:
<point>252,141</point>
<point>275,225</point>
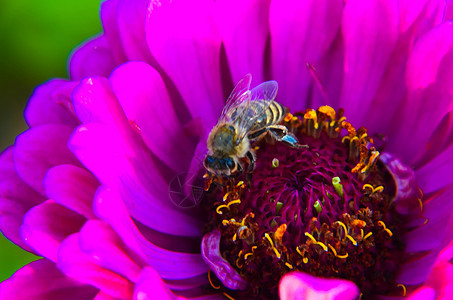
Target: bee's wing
<point>240,94</point>
<point>249,112</point>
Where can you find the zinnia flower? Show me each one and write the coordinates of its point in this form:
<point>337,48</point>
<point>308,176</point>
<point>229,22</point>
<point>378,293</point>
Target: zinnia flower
<point>106,185</point>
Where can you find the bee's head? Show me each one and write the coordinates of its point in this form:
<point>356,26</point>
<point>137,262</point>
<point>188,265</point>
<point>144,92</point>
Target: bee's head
<point>219,166</point>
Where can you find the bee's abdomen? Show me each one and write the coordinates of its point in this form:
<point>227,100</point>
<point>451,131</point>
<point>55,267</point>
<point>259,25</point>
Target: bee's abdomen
<point>274,113</point>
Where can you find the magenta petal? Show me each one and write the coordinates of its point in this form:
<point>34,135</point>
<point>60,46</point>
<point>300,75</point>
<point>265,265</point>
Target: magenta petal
<point>16,198</point>
<point>184,39</point>
<point>131,29</point>
<point>210,250</point>
<point>46,225</point>
<point>370,31</point>
<point>302,32</point>
<point>423,293</point>
<point>40,148</point>
<point>72,187</point>
<point>41,280</point>
<point>301,286</point>
<point>94,57</point>
<point>109,24</point>
<point>51,103</point>
<point>150,286</point>
<point>100,242</point>
<point>244,28</point>
<point>169,264</point>
<point>76,264</point>
<point>437,173</point>
<point>143,96</point>
<point>429,80</point>
<point>101,152</point>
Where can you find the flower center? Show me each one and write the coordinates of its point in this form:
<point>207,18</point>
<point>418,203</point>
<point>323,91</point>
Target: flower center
<point>324,209</point>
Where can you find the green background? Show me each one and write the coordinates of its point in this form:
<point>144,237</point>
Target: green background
<point>36,38</point>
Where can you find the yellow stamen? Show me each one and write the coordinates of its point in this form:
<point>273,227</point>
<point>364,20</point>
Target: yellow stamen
<point>367,235</point>
<point>298,251</point>
<point>385,228</point>
<point>289,265</point>
<point>254,247</point>
<point>210,281</point>
<point>237,263</point>
<point>275,163</point>
<point>225,222</point>
<point>240,184</point>
<point>226,196</point>
<point>351,239</point>
<point>378,189</point>
<point>219,208</point>
<point>420,202</point>
<point>344,227</point>
<point>288,117</point>
<point>333,249</point>
<point>361,233</point>
<point>345,138</point>
<point>278,235</point>
<point>228,296</point>
<point>247,255</point>
<point>206,175</point>
<point>404,289</point>
<point>238,201</point>
<point>369,186</point>
<point>311,237</point>
<point>234,237</point>
<point>305,260</point>
<point>343,256</point>
<point>272,245</point>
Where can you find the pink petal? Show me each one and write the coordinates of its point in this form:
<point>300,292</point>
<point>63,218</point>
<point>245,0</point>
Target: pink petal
<point>150,286</point>
<point>131,29</point>
<point>301,33</point>
<point>46,225</point>
<point>448,11</point>
<point>416,18</point>
<point>370,31</point>
<point>429,80</point>
<point>437,173</point>
<point>41,280</point>
<point>111,32</point>
<point>423,293</point>
<point>51,103</point>
<point>244,28</point>
<point>16,198</point>
<point>298,286</point>
<point>93,58</point>
<point>40,148</point>
<point>142,95</point>
<point>184,39</point>
<point>72,187</point>
<point>169,264</point>
<point>101,243</point>
<point>76,264</point>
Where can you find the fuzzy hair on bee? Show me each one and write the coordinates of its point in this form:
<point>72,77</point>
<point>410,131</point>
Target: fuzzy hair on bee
<point>248,115</point>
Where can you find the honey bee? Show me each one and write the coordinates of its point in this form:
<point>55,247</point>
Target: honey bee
<point>247,116</point>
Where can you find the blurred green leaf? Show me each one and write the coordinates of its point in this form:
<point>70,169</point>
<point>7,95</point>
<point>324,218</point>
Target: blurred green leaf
<point>36,40</point>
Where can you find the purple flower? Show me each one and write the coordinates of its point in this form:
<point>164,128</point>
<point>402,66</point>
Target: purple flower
<point>103,184</point>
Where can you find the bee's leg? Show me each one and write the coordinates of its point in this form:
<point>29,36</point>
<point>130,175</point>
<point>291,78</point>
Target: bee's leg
<point>281,134</point>
<point>252,159</point>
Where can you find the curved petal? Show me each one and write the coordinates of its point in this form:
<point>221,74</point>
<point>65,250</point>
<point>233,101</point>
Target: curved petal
<point>72,187</point>
<point>131,29</point>
<point>183,38</point>
<point>101,243</point>
<point>76,264</point>
<point>51,103</point>
<point>142,94</point>
<point>429,80</point>
<point>109,24</point>
<point>92,58</point>
<point>370,31</point>
<point>416,18</point>
<point>298,285</point>
<point>244,28</point>
<point>39,228</point>
<point>423,293</point>
<point>40,148</point>
<point>41,280</point>
<point>16,198</point>
<point>170,265</point>
<point>150,286</point>
<point>301,33</point>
